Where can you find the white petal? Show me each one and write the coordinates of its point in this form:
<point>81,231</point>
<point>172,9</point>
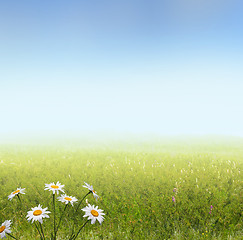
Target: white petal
<point>93,220</point>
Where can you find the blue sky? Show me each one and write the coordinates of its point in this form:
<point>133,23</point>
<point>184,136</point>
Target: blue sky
<point>163,67</point>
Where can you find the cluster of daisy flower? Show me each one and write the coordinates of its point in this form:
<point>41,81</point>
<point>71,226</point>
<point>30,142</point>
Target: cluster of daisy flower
<point>38,213</point>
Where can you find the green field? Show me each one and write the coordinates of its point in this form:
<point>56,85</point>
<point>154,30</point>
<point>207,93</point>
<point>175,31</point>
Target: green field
<point>135,182</point>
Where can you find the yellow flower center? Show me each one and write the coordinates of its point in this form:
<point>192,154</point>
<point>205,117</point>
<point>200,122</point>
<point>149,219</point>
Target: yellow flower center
<point>37,212</point>
<point>68,198</point>
<point>54,186</point>
<point>94,213</point>
<point>2,229</point>
<point>17,191</point>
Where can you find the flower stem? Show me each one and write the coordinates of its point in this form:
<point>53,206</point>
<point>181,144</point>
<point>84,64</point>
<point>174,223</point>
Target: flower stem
<point>61,218</point>
<point>38,231</point>
<point>42,231</point>
<point>54,231</point>
<point>77,210</point>
<point>75,236</point>
<point>19,199</point>
<point>11,236</point>
<point>81,201</point>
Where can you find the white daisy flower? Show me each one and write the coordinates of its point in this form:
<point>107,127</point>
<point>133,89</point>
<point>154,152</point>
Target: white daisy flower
<point>5,228</point>
<point>37,214</point>
<point>91,189</point>
<point>16,192</point>
<point>54,187</point>
<point>93,213</point>
<point>67,199</point>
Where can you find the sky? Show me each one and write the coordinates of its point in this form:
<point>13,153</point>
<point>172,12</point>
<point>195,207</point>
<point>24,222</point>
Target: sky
<point>171,67</point>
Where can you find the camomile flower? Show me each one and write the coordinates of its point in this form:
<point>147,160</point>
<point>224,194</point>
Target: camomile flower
<point>37,214</point>
<point>67,199</point>
<point>91,189</point>
<point>54,187</point>
<point>16,192</point>
<point>93,213</point>
<point>5,228</point>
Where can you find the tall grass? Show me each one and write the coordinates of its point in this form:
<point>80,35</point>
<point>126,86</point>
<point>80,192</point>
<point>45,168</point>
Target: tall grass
<point>135,183</point>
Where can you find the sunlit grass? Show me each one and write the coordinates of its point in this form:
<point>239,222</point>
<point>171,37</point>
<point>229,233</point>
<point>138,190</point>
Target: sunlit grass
<point>135,184</point>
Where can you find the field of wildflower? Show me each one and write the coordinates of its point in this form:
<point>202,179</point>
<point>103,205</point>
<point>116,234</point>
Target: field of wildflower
<point>143,190</point>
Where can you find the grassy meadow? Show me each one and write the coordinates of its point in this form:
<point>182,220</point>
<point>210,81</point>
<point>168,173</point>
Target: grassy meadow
<point>155,189</point>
